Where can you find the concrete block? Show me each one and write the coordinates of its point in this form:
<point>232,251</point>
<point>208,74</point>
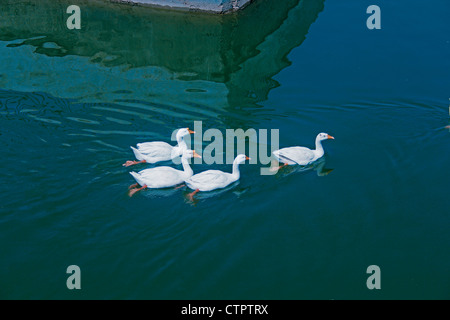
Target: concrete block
<point>216,6</point>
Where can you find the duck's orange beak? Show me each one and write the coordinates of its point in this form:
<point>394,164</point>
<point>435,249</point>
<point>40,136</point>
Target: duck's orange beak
<point>190,131</point>
<point>247,158</point>
<point>330,137</point>
<point>196,155</point>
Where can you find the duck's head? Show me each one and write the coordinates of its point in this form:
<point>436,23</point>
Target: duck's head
<point>191,154</point>
<point>183,132</point>
<point>241,158</point>
<point>324,136</point>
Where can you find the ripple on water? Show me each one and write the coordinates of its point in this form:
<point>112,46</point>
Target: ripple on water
<point>119,121</point>
<point>45,119</point>
<point>87,121</point>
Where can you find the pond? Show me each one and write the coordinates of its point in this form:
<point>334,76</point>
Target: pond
<point>72,102</point>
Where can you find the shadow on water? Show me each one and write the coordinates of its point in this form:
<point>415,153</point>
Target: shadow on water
<point>177,64</point>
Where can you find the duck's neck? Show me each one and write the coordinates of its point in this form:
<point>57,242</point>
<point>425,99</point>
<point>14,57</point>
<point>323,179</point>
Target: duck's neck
<point>186,167</point>
<point>235,172</point>
<point>319,149</point>
<point>181,143</point>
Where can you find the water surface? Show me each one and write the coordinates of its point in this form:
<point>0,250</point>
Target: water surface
<point>72,102</point>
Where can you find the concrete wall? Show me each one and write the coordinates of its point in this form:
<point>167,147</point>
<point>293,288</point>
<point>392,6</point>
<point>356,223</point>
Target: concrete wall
<point>218,6</point>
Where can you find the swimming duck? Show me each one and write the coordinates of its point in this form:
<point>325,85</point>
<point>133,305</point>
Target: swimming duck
<point>302,155</point>
<point>163,177</point>
<point>156,151</point>
<point>215,179</point>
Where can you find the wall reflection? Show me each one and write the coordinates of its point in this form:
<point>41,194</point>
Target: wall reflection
<point>229,59</point>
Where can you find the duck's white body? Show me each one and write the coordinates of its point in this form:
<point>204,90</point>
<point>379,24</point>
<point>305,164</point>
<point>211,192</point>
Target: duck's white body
<point>164,177</point>
<point>302,155</point>
<point>211,180</point>
<point>215,179</point>
<point>156,151</point>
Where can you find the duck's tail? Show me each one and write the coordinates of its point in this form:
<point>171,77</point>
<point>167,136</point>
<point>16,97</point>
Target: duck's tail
<point>137,154</point>
<point>137,177</point>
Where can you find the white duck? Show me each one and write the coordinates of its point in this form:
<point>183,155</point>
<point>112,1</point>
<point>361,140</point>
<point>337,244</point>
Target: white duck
<point>163,177</point>
<point>215,179</point>
<point>155,151</point>
<point>301,155</point>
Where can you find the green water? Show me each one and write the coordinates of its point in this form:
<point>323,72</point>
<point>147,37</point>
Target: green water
<point>73,101</point>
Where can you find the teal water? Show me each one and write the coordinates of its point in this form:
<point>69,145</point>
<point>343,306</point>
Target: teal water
<point>72,102</point>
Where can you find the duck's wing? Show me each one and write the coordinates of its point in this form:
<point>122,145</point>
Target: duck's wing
<point>160,177</point>
<point>294,155</point>
<point>153,151</point>
<point>154,144</point>
<point>151,172</point>
<point>209,180</point>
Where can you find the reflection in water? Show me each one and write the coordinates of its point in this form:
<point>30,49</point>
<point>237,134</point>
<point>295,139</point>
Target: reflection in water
<point>318,166</point>
<point>133,73</point>
<point>175,64</point>
<point>235,188</point>
<point>158,193</point>
<point>71,103</point>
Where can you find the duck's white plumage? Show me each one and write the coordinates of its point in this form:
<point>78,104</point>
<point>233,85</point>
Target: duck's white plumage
<point>210,180</point>
<point>156,151</point>
<point>164,177</point>
<point>215,179</point>
<point>302,155</point>
<point>295,155</point>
